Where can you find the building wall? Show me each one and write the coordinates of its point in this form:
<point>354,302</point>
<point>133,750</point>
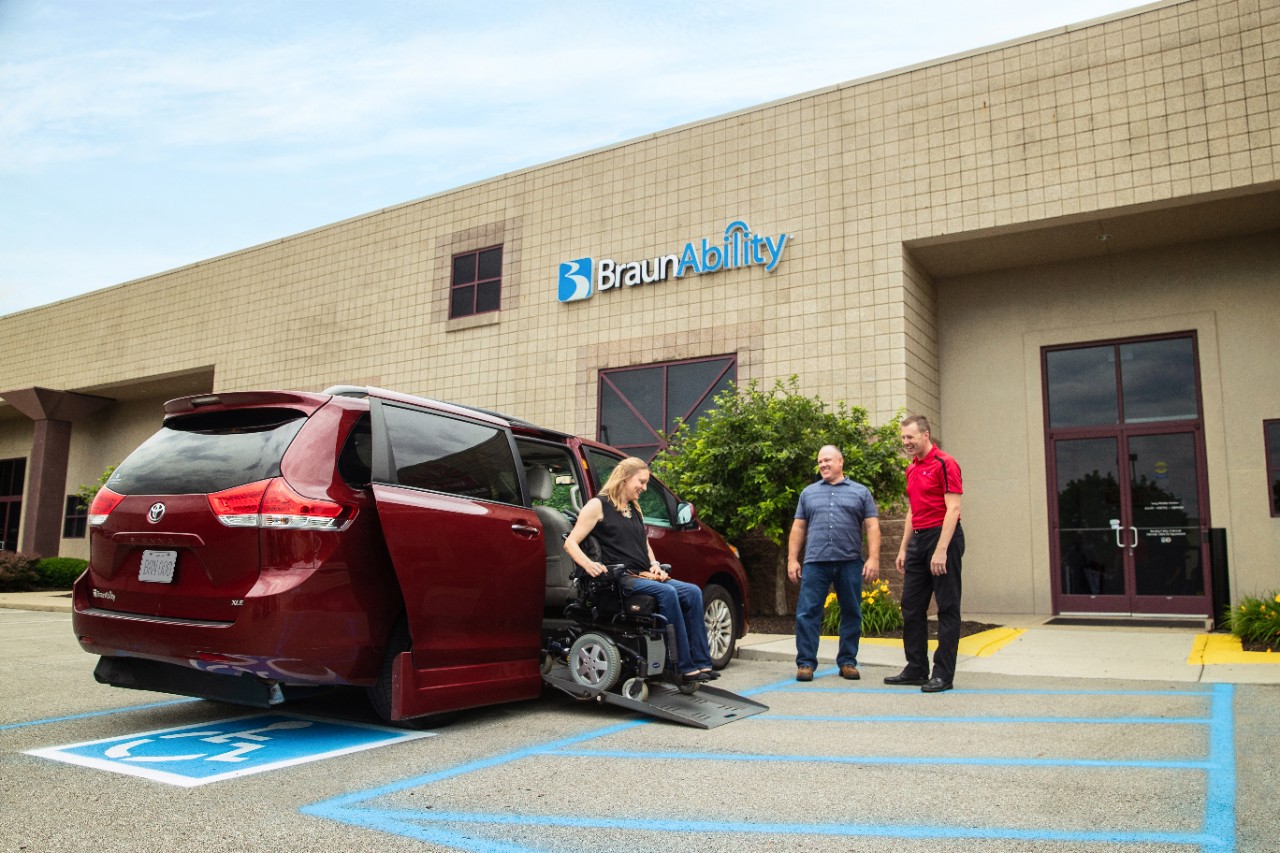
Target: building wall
<point>997,324</point>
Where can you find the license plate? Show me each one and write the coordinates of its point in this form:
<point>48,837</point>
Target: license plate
<point>157,566</point>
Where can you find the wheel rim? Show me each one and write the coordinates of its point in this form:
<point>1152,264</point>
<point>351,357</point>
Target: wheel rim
<point>719,621</point>
<point>591,664</point>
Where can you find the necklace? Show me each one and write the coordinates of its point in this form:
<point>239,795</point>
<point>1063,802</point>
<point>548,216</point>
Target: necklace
<point>626,513</point>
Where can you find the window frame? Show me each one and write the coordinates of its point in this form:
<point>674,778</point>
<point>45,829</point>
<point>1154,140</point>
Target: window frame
<point>75,519</point>
<point>475,283</point>
<point>604,380</point>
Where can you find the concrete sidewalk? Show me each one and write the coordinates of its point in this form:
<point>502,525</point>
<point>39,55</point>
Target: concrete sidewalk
<point>1024,646</point>
<point>1027,646</point>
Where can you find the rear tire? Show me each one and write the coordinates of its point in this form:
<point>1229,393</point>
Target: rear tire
<point>594,661</point>
<point>720,614</point>
<point>380,692</point>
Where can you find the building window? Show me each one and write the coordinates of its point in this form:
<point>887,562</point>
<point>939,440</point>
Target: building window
<point>476,284</point>
<point>74,520</point>
<point>1271,430</point>
<point>12,474</point>
<point>638,405</point>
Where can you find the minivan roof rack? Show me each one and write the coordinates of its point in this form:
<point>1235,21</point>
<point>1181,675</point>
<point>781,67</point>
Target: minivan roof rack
<point>361,392</point>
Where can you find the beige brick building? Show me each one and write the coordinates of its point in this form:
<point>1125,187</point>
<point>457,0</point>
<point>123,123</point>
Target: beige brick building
<point>1064,249</point>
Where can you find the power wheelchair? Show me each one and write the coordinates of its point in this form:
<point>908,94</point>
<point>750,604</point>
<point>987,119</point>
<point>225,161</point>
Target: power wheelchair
<point>611,637</point>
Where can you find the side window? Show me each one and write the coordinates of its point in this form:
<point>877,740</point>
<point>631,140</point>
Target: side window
<point>656,503</point>
<point>356,460</point>
<point>566,491</point>
<point>443,454</point>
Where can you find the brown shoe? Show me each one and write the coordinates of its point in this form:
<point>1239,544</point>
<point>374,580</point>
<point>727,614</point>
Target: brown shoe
<point>804,673</point>
<point>850,672</point>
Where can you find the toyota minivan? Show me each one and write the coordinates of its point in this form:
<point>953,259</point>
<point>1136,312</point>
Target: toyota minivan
<point>263,544</point>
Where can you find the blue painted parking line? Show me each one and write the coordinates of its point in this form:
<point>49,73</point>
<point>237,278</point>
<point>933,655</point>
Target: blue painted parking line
<point>88,714</point>
<point>226,749</point>
<point>1217,833</point>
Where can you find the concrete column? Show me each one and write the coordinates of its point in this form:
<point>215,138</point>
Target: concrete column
<point>53,413</point>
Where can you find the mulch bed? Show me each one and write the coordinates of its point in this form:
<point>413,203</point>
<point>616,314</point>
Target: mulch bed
<point>787,625</point>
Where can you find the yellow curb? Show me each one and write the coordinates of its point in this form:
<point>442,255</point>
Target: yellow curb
<point>987,643</point>
<point>979,645</point>
<point>1209,649</point>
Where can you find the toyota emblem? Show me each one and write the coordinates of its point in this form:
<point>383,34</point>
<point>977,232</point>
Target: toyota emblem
<point>155,513</point>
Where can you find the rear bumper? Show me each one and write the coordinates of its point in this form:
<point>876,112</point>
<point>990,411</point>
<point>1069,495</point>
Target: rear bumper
<point>313,627</point>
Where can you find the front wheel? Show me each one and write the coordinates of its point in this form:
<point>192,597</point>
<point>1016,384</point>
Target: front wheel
<point>635,688</point>
<point>720,614</point>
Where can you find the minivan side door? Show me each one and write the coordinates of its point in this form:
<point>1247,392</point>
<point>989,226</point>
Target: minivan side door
<point>468,554</point>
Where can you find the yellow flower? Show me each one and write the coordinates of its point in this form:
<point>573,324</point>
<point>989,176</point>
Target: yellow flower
<point>1278,598</point>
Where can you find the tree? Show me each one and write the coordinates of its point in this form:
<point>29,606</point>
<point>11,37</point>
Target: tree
<point>745,462</point>
<point>87,492</point>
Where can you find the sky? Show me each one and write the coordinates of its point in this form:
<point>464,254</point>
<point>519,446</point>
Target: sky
<point>137,136</point>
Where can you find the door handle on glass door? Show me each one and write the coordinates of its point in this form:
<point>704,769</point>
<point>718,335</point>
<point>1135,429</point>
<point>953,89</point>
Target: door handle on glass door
<point>1134,543</point>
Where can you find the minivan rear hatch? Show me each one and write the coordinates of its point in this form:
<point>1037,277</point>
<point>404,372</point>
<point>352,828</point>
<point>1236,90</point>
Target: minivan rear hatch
<point>180,534</point>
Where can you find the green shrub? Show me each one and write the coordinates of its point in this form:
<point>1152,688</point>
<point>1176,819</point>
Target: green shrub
<point>18,572</point>
<point>60,572</point>
<point>1257,620</point>
<point>880,613</point>
<point>745,462</point>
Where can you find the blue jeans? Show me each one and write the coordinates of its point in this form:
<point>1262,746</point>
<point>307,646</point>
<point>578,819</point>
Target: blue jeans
<point>815,579</point>
<point>680,604</point>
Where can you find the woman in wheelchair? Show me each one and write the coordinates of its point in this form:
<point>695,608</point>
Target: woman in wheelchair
<point>615,521</point>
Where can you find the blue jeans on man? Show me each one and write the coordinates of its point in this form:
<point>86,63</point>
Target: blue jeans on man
<point>815,580</point>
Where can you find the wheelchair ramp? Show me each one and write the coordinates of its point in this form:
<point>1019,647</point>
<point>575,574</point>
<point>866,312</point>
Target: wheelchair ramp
<point>706,708</point>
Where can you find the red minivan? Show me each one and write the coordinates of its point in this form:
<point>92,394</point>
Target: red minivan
<point>266,543</point>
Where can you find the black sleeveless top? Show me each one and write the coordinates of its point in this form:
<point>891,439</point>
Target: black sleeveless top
<point>622,539</point>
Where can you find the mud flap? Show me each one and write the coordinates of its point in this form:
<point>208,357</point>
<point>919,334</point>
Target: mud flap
<point>706,708</point>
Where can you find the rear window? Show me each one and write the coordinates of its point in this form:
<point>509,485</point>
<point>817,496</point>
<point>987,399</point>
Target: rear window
<point>209,452</point>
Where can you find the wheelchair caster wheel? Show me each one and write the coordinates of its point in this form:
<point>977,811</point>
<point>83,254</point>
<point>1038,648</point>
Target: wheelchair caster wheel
<point>635,688</point>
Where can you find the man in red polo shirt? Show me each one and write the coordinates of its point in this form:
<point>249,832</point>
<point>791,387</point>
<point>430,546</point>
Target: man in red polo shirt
<point>929,559</point>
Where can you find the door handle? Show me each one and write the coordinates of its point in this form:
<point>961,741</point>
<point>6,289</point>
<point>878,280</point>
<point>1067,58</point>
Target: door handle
<point>1134,543</point>
<point>1117,529</point>
<point>525,530</point>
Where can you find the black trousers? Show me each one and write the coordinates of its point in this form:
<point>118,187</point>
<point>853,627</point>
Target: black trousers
<point>918,585</point>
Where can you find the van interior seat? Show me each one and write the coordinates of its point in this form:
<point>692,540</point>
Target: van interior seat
<point>555,527</point>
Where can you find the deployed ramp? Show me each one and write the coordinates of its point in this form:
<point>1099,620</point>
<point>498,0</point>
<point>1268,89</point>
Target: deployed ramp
<point>705,708</point>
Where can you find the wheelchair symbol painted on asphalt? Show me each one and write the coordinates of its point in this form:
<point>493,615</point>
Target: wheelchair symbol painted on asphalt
<point>225,749</point>
<point>124,750</point>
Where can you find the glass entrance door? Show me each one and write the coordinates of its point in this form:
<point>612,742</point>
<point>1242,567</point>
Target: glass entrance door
<point>1130,532</point>
<point>1125,452</point>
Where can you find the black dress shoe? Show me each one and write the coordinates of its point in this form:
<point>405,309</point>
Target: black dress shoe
<point>935,685</point>
<point>904,678</point>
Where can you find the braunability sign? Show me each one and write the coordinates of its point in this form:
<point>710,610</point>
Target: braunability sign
<point>739,248</point>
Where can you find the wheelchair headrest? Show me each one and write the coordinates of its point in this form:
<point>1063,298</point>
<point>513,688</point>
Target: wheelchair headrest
<point>540,482</point>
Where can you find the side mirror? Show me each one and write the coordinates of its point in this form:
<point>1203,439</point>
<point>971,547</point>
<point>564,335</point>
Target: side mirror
<point>684,514</point>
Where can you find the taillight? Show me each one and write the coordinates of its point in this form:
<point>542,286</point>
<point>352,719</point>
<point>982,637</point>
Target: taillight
<point>273,504</point>
<point>103,502</point>
<point>238,506</point>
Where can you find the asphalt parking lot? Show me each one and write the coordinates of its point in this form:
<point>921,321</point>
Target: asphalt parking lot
<point>1002,763</point>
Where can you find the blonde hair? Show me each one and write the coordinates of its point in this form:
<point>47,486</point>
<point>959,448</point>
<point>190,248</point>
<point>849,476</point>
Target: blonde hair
<point>625,470</point>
